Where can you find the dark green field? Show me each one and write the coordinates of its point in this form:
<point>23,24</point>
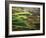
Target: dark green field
<point>25,18</point>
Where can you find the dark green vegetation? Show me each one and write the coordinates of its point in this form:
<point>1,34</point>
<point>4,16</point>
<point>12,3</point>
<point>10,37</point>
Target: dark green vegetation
<point>25,18</point>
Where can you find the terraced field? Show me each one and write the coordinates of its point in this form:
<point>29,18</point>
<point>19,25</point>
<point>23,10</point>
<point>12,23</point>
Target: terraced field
<point>25,19</point>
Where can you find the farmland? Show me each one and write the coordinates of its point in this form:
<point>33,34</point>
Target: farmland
<point>25,18</point>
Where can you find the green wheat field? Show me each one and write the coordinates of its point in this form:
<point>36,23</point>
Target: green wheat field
<point>25,18</point>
